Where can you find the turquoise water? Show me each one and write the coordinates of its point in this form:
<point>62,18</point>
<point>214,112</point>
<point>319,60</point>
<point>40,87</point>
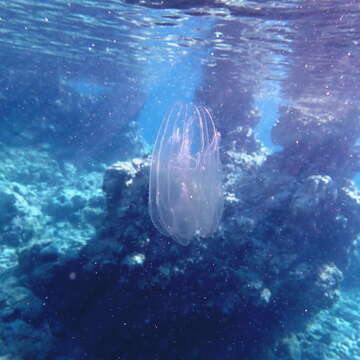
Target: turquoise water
<point>272,274</point>
<point>174,81</point>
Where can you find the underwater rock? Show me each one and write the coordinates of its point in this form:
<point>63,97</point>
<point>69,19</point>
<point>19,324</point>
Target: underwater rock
<point>333,334</point>
<point>76,207</point>
<point>16,217</point>
<point>267,261</point>
<point>351,275</point>
<point>33,212</point>
<point>317,140</point>
<point>287,348</point>
<point>23,324</point>
<point>313,193</point>
<point>311,124</point>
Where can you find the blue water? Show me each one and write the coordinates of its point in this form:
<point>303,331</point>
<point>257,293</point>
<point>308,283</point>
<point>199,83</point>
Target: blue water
<point>87,87</point>
<point>174,81</point>
<point>269,114</point>
<point>132,290</point>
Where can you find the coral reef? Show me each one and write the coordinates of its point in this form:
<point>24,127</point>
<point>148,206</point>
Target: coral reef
<point>277,260</point>
<point>332,334</point>
<point>43,201</point>
<point>46,204</point>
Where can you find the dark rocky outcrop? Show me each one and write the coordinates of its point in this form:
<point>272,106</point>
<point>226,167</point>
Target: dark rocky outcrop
<point>276,261</point>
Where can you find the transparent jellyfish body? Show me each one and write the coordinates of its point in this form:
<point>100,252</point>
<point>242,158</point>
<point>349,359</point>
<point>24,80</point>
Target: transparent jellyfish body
<point>185,191</point>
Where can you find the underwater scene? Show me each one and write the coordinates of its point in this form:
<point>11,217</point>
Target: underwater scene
<point>179,180</point>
